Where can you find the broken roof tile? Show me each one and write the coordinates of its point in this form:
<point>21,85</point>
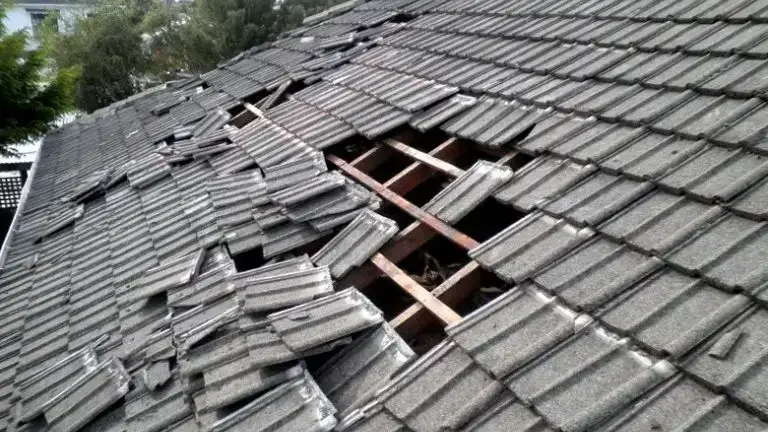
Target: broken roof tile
<point>352,376</point>
<point>294,172</point>
<point>173,273</point>
<point>740,373</point>
<point>264,294</point>
<point>357,242</point>
<point>148,170</point>
<point>298,404</point>
<point>147,411</point>
<point>94,392</point>
<point>671,313</point>
<point>323,320</point>
<point>307,189</point>
<point>526,246</point>
<point>233,381</point>
<point>467,192</point>
<point>288,237</point>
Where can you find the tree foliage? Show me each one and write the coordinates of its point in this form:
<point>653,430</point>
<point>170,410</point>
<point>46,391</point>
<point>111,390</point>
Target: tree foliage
<point>124,46</point>
<point>31,98</point>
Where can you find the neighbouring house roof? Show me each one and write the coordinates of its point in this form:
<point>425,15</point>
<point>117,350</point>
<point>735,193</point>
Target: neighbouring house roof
<point>196,258</point>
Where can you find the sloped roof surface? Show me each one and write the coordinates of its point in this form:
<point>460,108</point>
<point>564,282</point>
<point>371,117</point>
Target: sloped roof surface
<point>637,279</point>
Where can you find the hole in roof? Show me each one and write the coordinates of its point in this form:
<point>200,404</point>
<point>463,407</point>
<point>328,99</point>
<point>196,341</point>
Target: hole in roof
<point>427,189</point>
<point>351,148</point>
<point>489,288</point>
<point>428,337</point>
<point>389,166</point>
<point>402,18</point>
<point>395,213</point>
<point>488,219</point>
<point>256,98</point>
<point>249,260</point>
<point>389,297</point>
<point>433,263</point>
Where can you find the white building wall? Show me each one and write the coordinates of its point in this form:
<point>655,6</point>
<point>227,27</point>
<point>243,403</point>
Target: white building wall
<point>18,18</point>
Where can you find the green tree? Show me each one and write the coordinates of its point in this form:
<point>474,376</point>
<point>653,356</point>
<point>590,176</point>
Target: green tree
<point>31,98</point>
<point>106,48</point>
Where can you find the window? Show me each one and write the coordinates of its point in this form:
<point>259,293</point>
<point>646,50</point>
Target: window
<point>38,17</point>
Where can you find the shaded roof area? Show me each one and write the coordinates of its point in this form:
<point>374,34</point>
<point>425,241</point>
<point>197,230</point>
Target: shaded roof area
<point>418,216</point>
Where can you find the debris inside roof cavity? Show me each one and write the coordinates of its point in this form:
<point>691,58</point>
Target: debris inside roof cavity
<point>725,344</point>
<point>357,242</point>
<point>468,191</point>
<point>156,374</point>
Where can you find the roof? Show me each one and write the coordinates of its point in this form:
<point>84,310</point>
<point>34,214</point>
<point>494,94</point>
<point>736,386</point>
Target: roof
<point>202,256</point>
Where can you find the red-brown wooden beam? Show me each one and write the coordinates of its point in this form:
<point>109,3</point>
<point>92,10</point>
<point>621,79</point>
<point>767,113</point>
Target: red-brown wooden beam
<point>452,291</point>
<point>447,231</point>
<point>424,298</point>
<point>425,158</point>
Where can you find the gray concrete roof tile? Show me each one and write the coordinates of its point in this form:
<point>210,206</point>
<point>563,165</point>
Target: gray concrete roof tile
<point>595,199</point>
<point>659,222</point>
<point>740,373</point>
<point>467,191</point>
<point>444,389</point>
<point>539,180</point>
<point>650,156</point>
<point>671,313</point>
<point>323,320</point>
<point>515,329</point>
<point>587,379</point>
<point>594,273</point>
<point>357,242</point>
<point>524,247</point>
<point>352,376</point>
<point>298,404</point>
<point>269,293</point>
<point>726,253</point>
<point>680,403</point>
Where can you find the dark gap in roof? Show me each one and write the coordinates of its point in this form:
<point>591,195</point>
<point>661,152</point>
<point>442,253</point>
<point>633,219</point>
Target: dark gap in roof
<point>395,213</point>
<point>395,163</point>
<point>388,297</point>
<point>156,301</point>
<point>425,142</point>
<point>426,190</point>
<point>402,17</point>
<point>488,219</point>
<point>433,263</point>
<point>242,118</point>
<point>249,260</point>
<point>490,288</point>
<point>236,111</point>
<point>216,334</point>
<point>350,149</point>
<point>311,248</point>
<point>472,155</point>
<point>257,97</point>
<point>429,337</point>
<point>235,406</point>
<point>520,160</point>
<point>94,201</point>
